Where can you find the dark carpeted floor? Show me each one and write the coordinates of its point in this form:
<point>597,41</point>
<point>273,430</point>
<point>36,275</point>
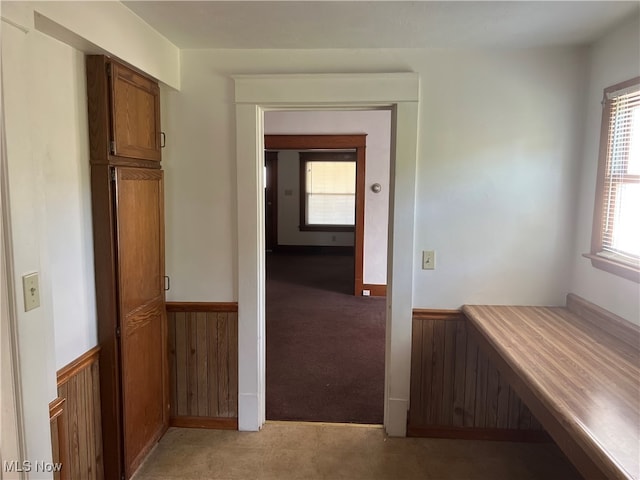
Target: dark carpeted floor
<point>325,347</point>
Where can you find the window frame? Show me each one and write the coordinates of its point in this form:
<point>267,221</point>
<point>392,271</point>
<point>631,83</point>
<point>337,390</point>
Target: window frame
<point>324,157</point>
<point>611,265</point>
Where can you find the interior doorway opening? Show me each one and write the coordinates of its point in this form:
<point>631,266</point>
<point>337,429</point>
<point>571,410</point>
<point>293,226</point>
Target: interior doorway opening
<point>325,342</point>
<point>254,96</point>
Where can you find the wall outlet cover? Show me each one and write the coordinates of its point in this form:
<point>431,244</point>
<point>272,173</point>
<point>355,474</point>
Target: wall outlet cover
<point>428,260</point>
<point>31,291</point>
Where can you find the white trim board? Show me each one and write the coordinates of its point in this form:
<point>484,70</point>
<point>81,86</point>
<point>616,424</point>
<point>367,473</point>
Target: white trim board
<point>255,94</point>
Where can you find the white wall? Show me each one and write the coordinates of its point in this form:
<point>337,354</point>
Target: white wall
<point>377,125</point>
<point>612,59</point>
<point>110,27</point>
<point>48,171</point>
<point>26,188</point>
<point>496,178</point>
<point>50,94</point>
<point>498,149</point>
<point>62,149</point>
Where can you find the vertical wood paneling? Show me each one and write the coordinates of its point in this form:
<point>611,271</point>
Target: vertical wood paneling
<point>471,377</point>
<point>232,325</point>
<point>79,386</point>
<point>204,363</point>
<point>459,373</point>
<point>446,417</point>
<point>455,388</point>
<point>427,369</point>
<point>58,439</point>
<point>171,339</point>
<point>416,402</point>
<point>202,357</point>
<point>493,386</point>
<point>223,366</point>
<point>515,405</point>
<point>479,419</point>
<point>181,361</point>
<point>212,374</point>
<point>437,380</point>
<point>502,414</point>
<point>192,373</point>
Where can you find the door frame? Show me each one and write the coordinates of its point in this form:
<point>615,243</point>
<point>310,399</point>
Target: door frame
<point>255,94</point>
<point>339,141</point>
<point>12,433</point>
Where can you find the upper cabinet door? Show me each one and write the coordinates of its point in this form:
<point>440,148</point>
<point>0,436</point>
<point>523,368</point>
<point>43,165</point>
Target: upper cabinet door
<point>135,114</point>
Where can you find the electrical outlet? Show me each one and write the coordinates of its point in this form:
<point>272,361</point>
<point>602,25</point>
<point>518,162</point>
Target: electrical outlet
<point>428,260</point>
<point>366,293</point>
<point>31,291</point>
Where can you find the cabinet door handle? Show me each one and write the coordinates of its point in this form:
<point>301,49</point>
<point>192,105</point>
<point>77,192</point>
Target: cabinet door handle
<point>167,283</point>
<point>163,140</point>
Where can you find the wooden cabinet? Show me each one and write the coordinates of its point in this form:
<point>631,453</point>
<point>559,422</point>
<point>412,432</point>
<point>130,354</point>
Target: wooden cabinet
<point>124,112</point>
<point>135,114</point>
<point>128,229</point>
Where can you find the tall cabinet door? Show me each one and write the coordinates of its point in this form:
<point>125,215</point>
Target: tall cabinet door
<point>142,317</point>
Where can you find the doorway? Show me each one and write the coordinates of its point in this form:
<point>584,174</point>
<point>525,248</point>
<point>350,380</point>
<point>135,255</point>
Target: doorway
<point>254,94</point>
<point>325,341</point>
<point>322,144</point>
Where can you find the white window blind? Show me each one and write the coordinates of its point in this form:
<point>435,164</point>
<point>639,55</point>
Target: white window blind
<point>330,192</point>
<point>620,230</point>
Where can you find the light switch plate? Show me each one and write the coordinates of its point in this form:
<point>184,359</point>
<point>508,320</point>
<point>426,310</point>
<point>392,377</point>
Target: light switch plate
<point>428,260</point>
<point>31,290</point>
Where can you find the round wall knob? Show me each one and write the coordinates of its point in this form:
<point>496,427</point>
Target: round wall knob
<point>376,188</point>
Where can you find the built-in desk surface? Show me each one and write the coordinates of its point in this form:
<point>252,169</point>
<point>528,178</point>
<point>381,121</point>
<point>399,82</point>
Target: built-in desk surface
<point>581,382</point>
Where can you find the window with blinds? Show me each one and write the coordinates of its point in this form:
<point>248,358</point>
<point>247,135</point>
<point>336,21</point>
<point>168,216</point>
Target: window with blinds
<point>616,237</point>
<point>328,187</point>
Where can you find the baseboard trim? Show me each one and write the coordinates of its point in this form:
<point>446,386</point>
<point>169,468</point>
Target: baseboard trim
<point>376,290</point>
<point>77,365</point>
<point>202,306</point>
<point>214,423</point>
<point>473,433</point>
<point>437,314</point>
<point>396,417</point>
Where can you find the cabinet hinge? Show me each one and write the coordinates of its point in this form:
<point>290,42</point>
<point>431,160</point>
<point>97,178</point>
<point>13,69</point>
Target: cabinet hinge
<point>118,332</point>
<point>112,147</point>
<point>108,69</point>
<point>113,174</point>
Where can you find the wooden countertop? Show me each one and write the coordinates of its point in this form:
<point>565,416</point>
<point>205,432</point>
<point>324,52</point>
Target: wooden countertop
<point>581,382</point>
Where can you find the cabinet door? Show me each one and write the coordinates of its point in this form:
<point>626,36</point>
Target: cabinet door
<point>142,317</point>
<point>135,112</point>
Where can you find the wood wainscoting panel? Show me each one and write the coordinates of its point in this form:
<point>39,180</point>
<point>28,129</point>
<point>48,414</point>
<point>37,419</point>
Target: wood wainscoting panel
<point>203,347</point>
<point>80,425</point>
<point>58,439</point>
<point>456,392</point>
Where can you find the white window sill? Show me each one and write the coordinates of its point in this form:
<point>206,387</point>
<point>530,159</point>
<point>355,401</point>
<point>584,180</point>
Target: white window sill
<point>610,264</point>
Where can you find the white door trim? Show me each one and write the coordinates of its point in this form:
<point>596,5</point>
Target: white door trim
<point>11,415</point>
<point>253,95</point>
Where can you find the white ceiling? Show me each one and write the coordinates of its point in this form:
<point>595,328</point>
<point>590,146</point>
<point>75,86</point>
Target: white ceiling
<point>380,24</point>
